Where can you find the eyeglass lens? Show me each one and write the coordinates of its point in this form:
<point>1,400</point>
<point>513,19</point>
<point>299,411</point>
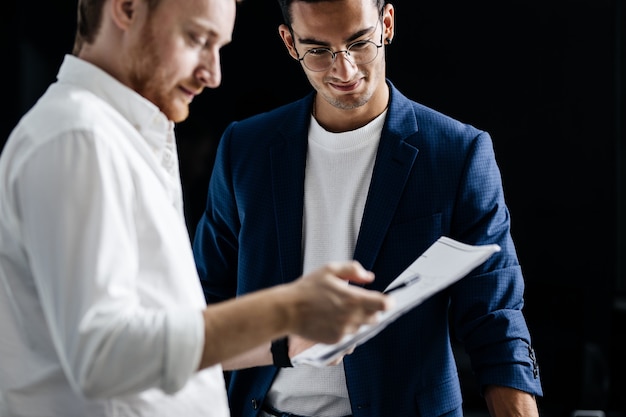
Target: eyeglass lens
<point>359,53</point>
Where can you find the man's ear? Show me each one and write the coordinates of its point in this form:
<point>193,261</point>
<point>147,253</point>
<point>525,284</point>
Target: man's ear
<point>122,12</point>
<point>388,23</point>
<point>288,40</point>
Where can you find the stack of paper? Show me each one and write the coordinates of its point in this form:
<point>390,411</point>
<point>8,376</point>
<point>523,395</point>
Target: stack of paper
<point>444,263</point>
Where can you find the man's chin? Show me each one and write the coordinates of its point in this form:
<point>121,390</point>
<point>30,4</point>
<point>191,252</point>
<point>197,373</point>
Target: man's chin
<point>178,114</point>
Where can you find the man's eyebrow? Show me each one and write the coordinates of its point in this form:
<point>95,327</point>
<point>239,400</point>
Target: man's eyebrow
<point>208,29</point>
<point>353,37</point>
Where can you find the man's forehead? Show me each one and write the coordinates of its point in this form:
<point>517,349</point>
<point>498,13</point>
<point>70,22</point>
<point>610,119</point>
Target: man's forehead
<point>323,21</point>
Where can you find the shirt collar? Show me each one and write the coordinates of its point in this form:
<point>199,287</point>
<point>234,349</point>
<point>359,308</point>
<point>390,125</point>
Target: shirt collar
<point>140,112</point>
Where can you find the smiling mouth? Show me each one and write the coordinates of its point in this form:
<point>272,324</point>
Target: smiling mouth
<point>189,94</point>
<point>349,87</point>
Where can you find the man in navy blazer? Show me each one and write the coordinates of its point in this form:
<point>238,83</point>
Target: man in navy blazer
<point>400,176</point>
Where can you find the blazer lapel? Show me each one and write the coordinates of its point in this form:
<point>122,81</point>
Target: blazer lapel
<point>288,160</point>
<point>394,161</point>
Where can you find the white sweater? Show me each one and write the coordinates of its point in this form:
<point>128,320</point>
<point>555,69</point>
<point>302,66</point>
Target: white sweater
<point>337,178</point>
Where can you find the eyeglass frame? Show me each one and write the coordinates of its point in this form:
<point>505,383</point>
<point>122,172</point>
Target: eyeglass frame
<point>345,51</point>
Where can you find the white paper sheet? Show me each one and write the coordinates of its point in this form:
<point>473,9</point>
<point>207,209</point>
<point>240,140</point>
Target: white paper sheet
<point>443,263</point>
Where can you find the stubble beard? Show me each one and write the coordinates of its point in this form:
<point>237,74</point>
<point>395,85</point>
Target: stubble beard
<point>149,78</point>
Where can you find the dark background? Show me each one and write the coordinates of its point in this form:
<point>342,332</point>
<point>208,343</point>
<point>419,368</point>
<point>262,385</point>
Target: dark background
<point>545,78</point>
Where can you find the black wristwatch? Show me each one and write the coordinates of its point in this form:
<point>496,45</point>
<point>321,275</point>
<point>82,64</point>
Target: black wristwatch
<point>280,353</point>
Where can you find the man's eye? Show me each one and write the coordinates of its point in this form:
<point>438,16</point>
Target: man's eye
<point>197,40</point>
<point>318,51</point>
<point>358,45</point>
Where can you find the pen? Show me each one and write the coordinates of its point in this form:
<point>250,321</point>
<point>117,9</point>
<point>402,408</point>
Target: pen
<point>409,281</point>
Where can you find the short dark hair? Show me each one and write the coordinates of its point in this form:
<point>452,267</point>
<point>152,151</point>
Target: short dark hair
<point>285,7</point>
<point>89,20</point>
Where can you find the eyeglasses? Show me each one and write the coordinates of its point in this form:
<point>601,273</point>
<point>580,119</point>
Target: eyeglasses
<point>360,53</point>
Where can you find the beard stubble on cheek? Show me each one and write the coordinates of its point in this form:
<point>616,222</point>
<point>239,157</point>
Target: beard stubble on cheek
<point>150,76</point>
<point>344,101</point>
<point>160,88</point>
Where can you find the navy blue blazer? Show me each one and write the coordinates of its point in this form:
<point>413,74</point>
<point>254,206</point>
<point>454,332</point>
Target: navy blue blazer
<point>433,176</point>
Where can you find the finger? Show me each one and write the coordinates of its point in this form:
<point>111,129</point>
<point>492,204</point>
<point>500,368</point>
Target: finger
<point>336,361</point>
<point>345,353</point>
<point>351,271</point>
<point>373,301</point>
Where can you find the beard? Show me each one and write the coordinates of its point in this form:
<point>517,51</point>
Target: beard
<point>347,101</point>
<point>150,77</point>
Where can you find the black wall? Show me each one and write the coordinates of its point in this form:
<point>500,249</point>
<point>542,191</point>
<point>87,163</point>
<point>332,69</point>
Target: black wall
<point>545,78</point>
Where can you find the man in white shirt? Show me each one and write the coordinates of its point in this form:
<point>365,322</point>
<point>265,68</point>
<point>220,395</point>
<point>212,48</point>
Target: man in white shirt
<point>102,310</point>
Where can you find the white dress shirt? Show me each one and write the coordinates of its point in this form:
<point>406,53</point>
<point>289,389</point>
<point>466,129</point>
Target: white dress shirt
<point>100,302</point>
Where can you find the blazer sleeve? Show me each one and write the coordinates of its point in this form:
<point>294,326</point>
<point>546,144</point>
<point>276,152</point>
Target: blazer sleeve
<point>486,307</point>
<point>215,244</point>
